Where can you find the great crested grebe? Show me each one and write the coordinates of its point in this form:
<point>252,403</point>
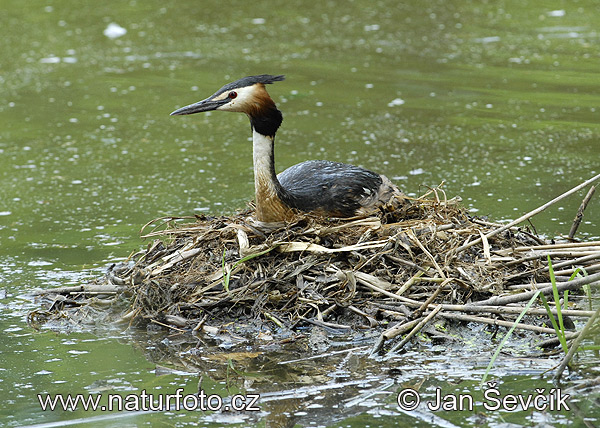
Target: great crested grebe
<point>318,186</point>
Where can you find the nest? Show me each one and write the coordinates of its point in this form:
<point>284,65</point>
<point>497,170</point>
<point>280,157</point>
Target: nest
<point>410,261</point>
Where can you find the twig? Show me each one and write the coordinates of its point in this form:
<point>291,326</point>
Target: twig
<point>554,341</point>
<point>579,215</point>
<point>410,282</point>
<point>83,289</point>
<point>529,214</point>
<point>200,323</point>
<point>390,333</point>
<point>575,344</point>
<point>513,310</point>
<point>492,321</point>
<point>560,245</point>
<point>571,271</point>
<point>578,260</point>
<point>431,298</point>
<point>516,229</point>
<point>416,329</point>
<point>167,325</point>
<point>572,262</point>
<point>405,300</point>
<point>545,287</point>
<point>372,321</point>
<point>405,262</point>
<point>274,319</point>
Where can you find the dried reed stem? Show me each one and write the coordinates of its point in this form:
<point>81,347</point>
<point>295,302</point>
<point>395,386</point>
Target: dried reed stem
<point>416,329</point>
<point>502,323</point>
<point>529,214</point>
<point>579,215</point>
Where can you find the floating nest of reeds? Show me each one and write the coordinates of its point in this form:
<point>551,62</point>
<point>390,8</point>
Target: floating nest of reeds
<point>412,260</point>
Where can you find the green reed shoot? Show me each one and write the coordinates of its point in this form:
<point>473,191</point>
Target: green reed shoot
<point>227,273</point>
<point>558,322</point>
<point>508,334</point>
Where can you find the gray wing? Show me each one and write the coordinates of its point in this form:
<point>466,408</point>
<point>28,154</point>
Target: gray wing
<point>331,187</point>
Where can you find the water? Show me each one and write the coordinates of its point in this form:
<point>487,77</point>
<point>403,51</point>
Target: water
<point>498,100</point>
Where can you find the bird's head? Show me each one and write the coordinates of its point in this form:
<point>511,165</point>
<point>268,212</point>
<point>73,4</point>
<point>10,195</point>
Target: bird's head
<point>247,95</point>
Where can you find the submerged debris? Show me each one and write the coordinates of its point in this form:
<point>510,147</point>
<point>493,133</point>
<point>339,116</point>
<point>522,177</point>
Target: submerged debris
<point>410,262</point>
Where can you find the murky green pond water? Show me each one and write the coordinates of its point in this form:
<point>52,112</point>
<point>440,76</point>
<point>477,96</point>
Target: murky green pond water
<point>499,100</point>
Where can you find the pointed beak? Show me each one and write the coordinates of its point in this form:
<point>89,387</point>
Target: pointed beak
<point>204,105</point>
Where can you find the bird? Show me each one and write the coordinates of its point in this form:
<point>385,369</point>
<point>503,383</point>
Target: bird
<point>321,187</point>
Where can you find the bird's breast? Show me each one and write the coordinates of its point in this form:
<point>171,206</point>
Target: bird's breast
<point>269,205</point>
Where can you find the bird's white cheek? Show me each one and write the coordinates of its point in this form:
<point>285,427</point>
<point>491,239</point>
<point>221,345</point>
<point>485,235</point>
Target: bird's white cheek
<point>230,106</point>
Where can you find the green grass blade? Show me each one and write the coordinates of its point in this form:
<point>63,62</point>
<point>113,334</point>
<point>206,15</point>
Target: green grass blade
<point>559,333</point>
<point>556,296</point>
<point>586,288</point>
<point>251,256</point>
<point>227,275</point>
<point>507,336</point>
<point>590,348</point>
<point>576,274</point>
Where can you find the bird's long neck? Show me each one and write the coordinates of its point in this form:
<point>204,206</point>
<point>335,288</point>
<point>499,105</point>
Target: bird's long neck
<point>265,119</point>
<point>269,193</point>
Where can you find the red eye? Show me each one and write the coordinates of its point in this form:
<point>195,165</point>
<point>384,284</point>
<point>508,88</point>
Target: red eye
<point>232,94</point>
